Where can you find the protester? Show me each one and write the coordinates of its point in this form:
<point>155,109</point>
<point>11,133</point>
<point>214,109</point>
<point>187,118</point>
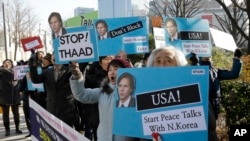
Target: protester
<point>124,55</point>
<point>9,96</point>
<point>39,55</point>
<point>94,75</point>
<point>217,75</point>
<point>59,101</point>
<point>103,95</point>
<point>26,94</point>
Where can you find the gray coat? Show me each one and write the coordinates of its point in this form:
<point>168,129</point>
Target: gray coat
<point>105,103</point>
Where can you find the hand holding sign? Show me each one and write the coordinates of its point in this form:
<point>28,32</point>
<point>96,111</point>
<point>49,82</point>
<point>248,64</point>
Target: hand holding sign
<point>75,70</point>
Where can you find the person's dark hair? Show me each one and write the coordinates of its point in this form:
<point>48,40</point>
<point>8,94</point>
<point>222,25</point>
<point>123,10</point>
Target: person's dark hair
<point>12,65</point>
<point>172,21</point>
<point>146,55</point>
<point>116,63</point>
<point>131,79</point>
<point>57,15</point>
<point>103,22</point>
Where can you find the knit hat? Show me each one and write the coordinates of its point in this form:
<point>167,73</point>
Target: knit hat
<point>48,57</point>
<point>120,63</point>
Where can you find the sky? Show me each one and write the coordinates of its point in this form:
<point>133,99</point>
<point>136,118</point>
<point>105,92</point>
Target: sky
<point>66,8</point>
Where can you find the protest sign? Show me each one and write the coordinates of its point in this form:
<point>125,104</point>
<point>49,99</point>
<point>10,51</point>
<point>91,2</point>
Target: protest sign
<point>46,126</point>
<point>34,86</point>
<point>159,36</point>
<point>189,35</point>
<point>127,34</point>
<point>31,43</point>
<point>78,44</point>
<point>223,40</point>
<point>166,103</point>
<point>20,71</point>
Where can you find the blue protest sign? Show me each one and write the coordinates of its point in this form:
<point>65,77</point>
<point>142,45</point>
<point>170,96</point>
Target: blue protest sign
<point>189,35</point>
<point>78,44</point>
<point>34,86</point>
<point>127,34</point>
<point>173,103</point>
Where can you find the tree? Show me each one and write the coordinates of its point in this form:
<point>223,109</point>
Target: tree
<point>20,22</point>
<point>175,8</point>
<point>242,7</point>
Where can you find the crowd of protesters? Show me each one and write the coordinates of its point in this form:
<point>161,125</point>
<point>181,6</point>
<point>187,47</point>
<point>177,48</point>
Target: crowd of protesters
<point>82,94</point>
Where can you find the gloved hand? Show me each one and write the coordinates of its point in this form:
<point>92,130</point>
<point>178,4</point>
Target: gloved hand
<point>156,136</point>
<point>194,59</point>
<point>75,70</point>
<point>237,53</point>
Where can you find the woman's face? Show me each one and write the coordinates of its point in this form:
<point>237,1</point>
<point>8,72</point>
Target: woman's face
<point>7,64</point>
<point>112,74</point>
<point>45,62</point>
<point>164,58</point>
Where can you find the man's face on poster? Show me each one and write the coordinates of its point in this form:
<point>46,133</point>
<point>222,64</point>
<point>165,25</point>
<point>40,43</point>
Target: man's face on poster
<point>101,29</point>
<point>55,24</point>
<point>171,28</point>
<point>124,89</point>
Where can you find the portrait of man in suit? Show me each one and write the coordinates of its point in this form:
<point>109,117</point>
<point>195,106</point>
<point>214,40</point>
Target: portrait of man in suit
<point>126,88</point>
<point>172,30</point>
<point>102,29</point>
<point>55,22</point>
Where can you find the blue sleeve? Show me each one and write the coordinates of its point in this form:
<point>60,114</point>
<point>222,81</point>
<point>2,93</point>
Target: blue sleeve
<point>233,73</point>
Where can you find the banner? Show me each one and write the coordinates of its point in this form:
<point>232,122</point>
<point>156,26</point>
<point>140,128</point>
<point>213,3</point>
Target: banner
<point>122,34</point>
<point>189,35</point>
<point>46,126</point>
<point>173,104</point>
<point>78,44</point>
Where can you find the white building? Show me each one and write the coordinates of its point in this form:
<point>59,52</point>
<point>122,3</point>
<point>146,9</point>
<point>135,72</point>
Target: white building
<point>114,8</point>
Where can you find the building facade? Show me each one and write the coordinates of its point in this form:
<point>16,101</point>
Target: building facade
<point>114,8</point>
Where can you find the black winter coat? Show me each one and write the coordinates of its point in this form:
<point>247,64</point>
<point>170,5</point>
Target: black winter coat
<point>8,88</point>
<point>59,101</point>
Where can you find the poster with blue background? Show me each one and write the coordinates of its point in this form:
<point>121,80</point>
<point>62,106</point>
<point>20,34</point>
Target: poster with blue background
<point>34,86</point>
<point>127,34</point>
<point>78,44</point>
<point>189,35</point>
<point>173,103</point>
